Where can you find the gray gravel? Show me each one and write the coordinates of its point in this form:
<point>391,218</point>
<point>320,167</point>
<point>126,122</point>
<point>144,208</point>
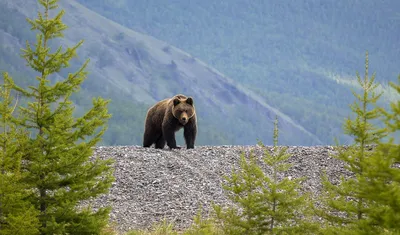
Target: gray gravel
<point>154,184</point>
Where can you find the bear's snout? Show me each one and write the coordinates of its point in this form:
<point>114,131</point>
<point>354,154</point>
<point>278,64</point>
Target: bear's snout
<point>184,119</point>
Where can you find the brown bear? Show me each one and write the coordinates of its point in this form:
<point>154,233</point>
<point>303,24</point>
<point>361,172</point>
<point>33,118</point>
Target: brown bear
<point>167,117</point>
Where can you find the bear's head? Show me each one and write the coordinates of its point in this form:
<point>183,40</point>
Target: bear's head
<point>183,109</point>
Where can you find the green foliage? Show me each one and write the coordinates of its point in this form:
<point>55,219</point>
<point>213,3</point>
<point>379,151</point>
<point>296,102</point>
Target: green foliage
<point>17,216</point>
<point>203,226</point>
<point>268,205</point>
<point>199,226</point>
<point>163,228</point>
<point>346,197</point>
<point>392,118</point>
<point>59,170</point>
<point>381,187</point>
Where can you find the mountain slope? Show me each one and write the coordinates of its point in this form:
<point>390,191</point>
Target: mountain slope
<point>136,70</point>
<point>300,56</point>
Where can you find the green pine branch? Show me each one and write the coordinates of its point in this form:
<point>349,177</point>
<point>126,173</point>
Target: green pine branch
<point>382,187</point>
<point>264,203</point>
<point>345,206</point>
<point>17,216</point>
<point>58,154</point>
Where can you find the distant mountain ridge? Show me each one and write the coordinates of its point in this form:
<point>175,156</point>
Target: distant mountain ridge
<point>300,57</point>
<point>136,70</point>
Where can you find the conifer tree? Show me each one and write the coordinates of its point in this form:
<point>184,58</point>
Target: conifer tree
<point>382,187</point>
<point>266,204</point>
<point>17,216</point>
<point>62,173</point>
<point>344,204</point>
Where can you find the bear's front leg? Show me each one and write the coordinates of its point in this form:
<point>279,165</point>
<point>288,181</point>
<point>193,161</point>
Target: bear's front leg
<point>189,132</point>
<point>169,136</point>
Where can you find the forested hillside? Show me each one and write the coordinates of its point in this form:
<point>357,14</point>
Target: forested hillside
<point>300,56</point>
<point>135,71</point>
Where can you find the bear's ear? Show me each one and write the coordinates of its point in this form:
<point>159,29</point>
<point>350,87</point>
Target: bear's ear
<point>176,101</point>
<point>189,100</point>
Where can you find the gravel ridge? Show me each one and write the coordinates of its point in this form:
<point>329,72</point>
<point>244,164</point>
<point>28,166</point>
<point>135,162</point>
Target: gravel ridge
<point>153,184</point>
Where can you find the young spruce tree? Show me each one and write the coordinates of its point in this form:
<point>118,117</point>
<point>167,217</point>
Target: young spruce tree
<point>344,204</point>
<point>17,216</point>
<point>268,205</point>
<point>382,187</point>
<point>61,172</point>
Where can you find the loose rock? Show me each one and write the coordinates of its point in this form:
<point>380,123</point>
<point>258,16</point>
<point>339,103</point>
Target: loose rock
<point>153,184</point>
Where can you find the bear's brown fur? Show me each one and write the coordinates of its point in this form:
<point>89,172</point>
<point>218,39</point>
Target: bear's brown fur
<point>167,117</point>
